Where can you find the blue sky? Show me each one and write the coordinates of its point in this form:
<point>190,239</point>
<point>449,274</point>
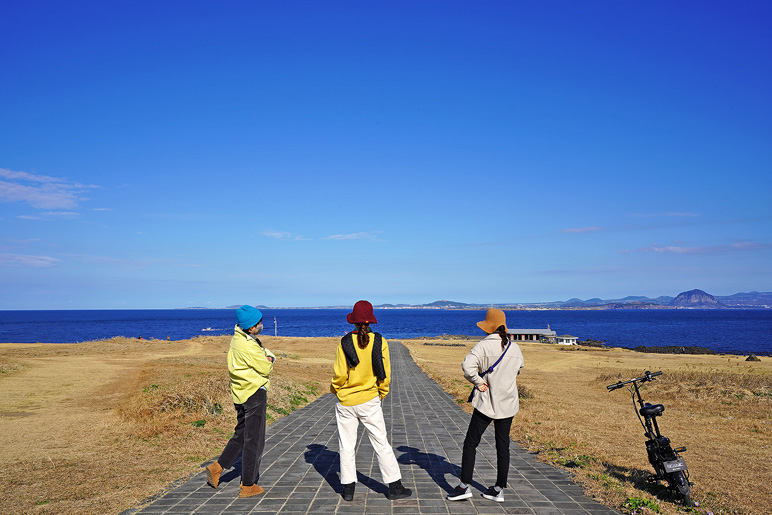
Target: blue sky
<point>173,154</point>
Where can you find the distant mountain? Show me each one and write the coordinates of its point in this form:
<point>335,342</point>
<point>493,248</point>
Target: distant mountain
<point>446,304</point>
<point>633,301</point>
<point>752,299</point>
<point>696,299</point>
<point>688,299</point>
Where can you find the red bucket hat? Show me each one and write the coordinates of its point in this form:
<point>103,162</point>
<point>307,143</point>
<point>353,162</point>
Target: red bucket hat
<point>362,314</point>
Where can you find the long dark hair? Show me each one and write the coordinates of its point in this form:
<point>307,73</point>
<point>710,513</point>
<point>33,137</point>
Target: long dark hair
<point>363,335</point>
<point>502,331</point>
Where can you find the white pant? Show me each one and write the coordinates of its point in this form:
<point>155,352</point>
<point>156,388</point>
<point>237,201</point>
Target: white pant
<point>371,416</point>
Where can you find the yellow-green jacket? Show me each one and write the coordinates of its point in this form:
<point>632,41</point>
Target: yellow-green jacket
<point>248,365</point>
<point>357,385</point>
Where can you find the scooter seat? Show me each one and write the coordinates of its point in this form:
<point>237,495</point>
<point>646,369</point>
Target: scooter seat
<point>652,410</point>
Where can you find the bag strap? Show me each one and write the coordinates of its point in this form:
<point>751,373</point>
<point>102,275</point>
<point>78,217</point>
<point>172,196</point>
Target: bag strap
<point>490,368</point>
<point>347,343</point>
<point>378,367</point>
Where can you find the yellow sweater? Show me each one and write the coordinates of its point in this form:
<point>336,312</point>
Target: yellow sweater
<point>248,365</point>
<point>357,385</point>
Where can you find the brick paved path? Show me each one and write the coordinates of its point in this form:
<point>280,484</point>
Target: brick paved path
<point>426,429</point>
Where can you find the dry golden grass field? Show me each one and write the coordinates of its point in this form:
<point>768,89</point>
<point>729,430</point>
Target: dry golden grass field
<point>718,407</point>
<point>99,427</point>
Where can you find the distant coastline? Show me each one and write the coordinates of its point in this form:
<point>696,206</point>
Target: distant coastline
<point>693,299</point>
<point>746,330</point>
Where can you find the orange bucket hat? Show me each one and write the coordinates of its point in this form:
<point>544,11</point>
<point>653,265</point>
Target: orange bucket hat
<point>493,319</point>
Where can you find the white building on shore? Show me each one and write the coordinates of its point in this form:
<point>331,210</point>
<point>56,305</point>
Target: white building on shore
<point>566,339</point>
<point>542,336</point>
<point>533,335</point>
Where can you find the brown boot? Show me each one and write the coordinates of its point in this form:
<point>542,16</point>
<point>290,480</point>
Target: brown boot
<point>251,490</point>
<point>213,472</point>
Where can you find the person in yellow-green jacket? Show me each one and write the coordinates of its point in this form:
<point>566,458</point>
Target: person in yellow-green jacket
<point>249,365</point>
<point>362,373</point>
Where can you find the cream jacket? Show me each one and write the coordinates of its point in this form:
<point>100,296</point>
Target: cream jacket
<point>501,399</point>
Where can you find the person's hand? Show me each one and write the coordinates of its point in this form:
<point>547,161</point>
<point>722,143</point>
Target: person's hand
<point>270,358</point>
<point>482,387</point>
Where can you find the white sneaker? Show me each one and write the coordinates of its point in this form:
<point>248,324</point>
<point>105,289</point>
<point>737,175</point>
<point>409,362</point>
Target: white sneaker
<point>459,494</point>
<point>494,495</point>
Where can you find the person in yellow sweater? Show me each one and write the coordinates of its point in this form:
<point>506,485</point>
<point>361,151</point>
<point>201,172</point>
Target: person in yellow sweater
<point>362,374</point>
<point>249,365</point>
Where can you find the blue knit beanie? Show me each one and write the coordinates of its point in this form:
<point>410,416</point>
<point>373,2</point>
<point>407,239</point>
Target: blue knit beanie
<point>248,316</point>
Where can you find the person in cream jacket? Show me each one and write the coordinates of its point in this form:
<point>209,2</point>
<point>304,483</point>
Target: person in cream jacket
<point>495,399</point>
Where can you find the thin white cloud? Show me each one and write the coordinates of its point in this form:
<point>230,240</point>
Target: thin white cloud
<point>582,271</point>
<point>109,260</point>
<point>660,215</point>
<point>27,261</point>
<point>582,229</point>
<point>102,209</point>
<point>61,214</point>
<point>41,191</point>
<point>354,236</point>
<point>22,242</point>
<point>130,263</point>
<point>26,176</point>
<point>277,235</point>
<point>713,249</point>
<point>280,235</point>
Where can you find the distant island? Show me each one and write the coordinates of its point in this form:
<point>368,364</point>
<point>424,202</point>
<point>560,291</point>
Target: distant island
<point>692,299</point>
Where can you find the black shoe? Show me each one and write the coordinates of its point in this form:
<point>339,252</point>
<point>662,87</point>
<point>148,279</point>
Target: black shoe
<point>494,495</point>
<point>348,491</point>
<point>459,494</point>
<point>397,491</point>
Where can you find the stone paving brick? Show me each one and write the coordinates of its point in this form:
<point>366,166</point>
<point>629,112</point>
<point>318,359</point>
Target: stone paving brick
<point>426,427</point>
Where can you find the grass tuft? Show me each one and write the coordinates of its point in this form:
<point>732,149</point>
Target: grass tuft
<point>640,505</point>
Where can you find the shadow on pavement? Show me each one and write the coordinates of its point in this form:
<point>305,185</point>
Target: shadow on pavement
<point>435,465</point>
<point>233,473</point>
<point>327,464</point>
<point>372,484</point>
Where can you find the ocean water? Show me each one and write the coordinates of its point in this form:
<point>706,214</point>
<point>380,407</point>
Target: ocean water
<point>743,331</point>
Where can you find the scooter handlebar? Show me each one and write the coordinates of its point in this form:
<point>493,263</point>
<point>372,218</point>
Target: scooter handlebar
<point>648,376</point>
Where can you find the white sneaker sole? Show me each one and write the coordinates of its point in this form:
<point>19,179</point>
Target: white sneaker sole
<point>500,498</point>
<point>461,497</point>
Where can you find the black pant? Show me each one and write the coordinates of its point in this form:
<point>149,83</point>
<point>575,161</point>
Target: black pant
<point>249,435</point>
<point>477,426</point>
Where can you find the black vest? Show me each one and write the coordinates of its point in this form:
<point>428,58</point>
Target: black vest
<point>352,360</point>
